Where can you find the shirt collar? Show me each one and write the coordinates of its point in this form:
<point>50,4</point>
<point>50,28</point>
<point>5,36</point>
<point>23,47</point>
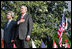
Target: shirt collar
<point>10,20</point>
<point>24,14</point>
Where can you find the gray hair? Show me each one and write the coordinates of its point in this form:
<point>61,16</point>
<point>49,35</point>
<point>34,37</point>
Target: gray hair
<point>12,13</point>
<point>24,7</point>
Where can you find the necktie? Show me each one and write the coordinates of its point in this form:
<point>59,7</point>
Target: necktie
<point>22,17</point>
<point>8,23</point>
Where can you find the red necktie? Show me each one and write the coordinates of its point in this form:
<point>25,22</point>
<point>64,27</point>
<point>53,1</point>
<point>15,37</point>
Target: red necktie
<point>22,17</point>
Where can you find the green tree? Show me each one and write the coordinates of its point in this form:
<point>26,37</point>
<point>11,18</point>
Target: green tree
<point>46,17</point>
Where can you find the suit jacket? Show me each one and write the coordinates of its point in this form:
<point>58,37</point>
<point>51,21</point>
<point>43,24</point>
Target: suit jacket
<point>24,28</point>
<point>9,32</point>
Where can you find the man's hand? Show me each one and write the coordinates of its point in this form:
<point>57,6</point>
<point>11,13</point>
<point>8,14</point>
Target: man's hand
<point>21,20</point>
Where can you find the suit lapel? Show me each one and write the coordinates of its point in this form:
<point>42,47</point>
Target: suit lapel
<point>6,24</point>
<point>25,16</point>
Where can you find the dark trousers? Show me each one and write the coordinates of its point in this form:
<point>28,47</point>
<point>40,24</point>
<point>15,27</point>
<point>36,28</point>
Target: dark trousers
<point>21,43</point>
<point>8,45</point>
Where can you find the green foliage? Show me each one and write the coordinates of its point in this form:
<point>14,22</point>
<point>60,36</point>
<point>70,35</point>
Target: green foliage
<point>45,14</point>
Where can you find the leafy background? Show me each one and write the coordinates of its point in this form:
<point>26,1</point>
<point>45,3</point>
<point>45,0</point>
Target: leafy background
<point>46,17</point>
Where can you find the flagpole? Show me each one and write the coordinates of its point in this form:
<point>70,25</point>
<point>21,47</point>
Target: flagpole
<point>64,28</point>
<point>63,34</point>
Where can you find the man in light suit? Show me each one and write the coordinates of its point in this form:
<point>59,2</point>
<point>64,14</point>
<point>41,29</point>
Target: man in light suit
<point>9,30</point>
<point>24,24</point>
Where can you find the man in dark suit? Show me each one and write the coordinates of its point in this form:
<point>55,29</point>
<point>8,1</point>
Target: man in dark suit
<point>9,30</point>
<point>24,23</point>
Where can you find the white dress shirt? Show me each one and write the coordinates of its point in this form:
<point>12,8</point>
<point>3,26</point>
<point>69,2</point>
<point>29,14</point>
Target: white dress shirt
<point>9,22</point>
<point>23,15</point>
